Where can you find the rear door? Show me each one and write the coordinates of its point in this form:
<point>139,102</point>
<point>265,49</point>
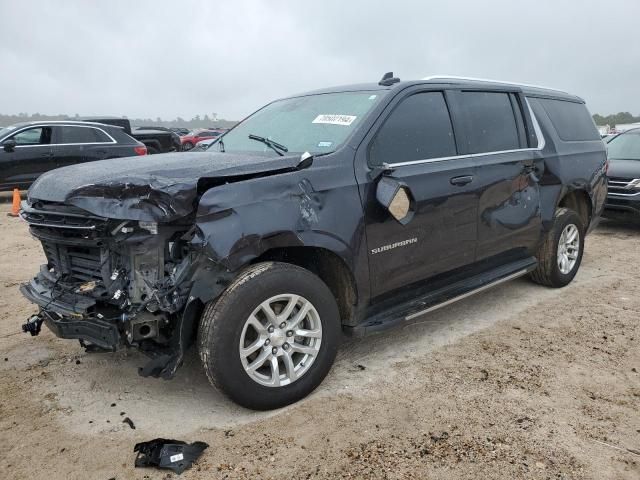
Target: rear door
<point>73,144</point>
<point>414,143</point>
<point>495,130</point>
<point>30,158</point>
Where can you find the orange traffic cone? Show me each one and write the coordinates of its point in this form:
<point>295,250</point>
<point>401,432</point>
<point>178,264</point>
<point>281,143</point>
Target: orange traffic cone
<point>15,208</point>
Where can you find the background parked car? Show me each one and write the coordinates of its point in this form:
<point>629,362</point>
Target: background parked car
<point>32,148</point>
<point>623,197</point>
<point>180,131</point>
<point>203,145</point>
<point>190,140</point>
<point>156,139</point>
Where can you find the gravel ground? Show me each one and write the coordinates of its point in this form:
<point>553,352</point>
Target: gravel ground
<point>518,382</point>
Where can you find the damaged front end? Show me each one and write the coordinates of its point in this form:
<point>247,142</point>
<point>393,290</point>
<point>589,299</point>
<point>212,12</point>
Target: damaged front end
<point>115,283</point>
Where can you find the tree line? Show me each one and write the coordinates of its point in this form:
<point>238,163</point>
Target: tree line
<point>196,122</point>
<point>615,119</point>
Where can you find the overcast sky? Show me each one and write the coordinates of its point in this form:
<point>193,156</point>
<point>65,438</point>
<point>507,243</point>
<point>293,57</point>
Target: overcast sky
<point>182,58</point>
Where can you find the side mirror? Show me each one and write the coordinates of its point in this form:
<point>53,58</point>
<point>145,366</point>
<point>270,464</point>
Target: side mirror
<point>9,145</point>
<point>396,198</point>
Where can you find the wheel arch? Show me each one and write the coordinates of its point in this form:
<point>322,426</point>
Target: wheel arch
<point>327,265</point>
<point>580,202</point>
<point>575,198</point>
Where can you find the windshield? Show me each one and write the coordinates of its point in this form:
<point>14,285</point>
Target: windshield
<point>314,123</point>
<point>6,131</point>
<point>625,146</point>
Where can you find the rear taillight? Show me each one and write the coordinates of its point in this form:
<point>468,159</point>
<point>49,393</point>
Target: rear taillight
<point>142,150</point>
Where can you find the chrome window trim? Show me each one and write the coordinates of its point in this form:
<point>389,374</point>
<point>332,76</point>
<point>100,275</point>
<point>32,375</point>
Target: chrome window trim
<point>112,142</point>
<point>536,128</point>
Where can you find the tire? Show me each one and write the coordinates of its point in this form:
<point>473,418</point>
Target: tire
<point>186,146</point>
<point>225,324</point>
<point>152,150</point>
<point>549,271</point>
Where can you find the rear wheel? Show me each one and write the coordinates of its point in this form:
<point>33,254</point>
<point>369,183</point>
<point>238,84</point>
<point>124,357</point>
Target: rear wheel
<point>271,337</point>
<point>151,150</point>
<point>560,255</point>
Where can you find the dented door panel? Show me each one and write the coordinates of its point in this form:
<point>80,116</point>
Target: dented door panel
<point>508,203</point>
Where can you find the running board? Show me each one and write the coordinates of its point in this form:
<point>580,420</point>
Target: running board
<point>417,307</point>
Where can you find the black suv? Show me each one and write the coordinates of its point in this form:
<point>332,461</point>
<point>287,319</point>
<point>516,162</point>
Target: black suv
<point>623,200</point>
<point>349,209</point>
<point>32,148</point>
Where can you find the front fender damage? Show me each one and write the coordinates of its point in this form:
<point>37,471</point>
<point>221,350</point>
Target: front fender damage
<point>237,223</point>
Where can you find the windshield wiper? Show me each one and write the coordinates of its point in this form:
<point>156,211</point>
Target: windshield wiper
<point>275,146</point>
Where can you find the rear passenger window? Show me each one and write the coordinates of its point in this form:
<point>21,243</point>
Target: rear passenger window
<point>490,122</point>
<point>69,134</point>
<point>571,120</point>
<point>419,128</point>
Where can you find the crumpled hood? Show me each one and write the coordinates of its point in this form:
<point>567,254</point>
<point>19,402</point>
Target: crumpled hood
<point>157,188</point>
<point>623,168</point>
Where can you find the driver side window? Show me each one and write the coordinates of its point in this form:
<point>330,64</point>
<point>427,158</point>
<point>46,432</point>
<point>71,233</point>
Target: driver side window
<point>33,136</point>
<point>418,128</point>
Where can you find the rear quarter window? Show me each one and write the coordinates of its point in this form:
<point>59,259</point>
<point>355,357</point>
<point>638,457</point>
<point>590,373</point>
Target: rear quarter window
<point>572,120</point>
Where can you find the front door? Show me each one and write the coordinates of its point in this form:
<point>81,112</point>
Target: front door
<point>415,139</point>
<point>30,157</point>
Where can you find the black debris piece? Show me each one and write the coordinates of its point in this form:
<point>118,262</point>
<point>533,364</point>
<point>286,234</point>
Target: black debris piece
<point>113,404</point>
<point>361,367</point>
<point>6,359</point>
<point>122,413</point>
<point>174,455</point>
<point>129,422</point>
<point>78,362</point>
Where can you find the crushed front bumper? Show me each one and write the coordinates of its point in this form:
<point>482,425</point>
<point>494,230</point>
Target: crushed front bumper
<point>69,315</point>
<point>96,332</point>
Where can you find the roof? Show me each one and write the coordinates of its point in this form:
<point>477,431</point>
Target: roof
<point>62,122</point>
<point>532,90</point>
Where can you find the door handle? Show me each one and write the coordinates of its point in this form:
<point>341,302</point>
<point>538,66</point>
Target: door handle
<point>460,181</point>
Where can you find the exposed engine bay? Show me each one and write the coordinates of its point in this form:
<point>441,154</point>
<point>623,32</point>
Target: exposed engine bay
<point>111,283</point>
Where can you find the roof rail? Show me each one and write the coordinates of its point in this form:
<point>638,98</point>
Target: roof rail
<point>473,79</point>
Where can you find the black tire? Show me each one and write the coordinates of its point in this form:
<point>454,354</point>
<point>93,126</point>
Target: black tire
<point>186,146</point>
<point>548,272</point>
<point>223,320</point>
<point>152,150</point>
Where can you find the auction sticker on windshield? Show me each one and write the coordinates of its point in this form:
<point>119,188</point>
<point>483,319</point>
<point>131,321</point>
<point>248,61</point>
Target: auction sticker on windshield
<point>335,119</point>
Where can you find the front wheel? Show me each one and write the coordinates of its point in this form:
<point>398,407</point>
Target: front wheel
<point>271,337</point>
<point>560,254</point>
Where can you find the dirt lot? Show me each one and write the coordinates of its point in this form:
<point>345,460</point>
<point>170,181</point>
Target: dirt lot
<point>518,382</point>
